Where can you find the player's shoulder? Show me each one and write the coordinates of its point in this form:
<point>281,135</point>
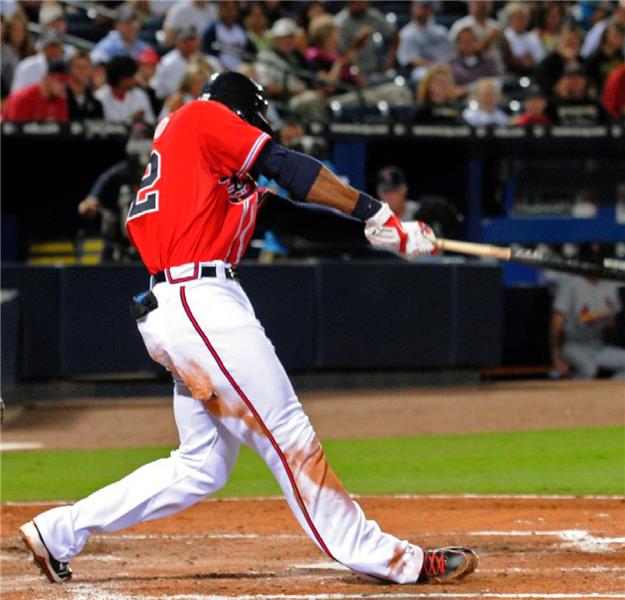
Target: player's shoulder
<point>204,108</point>
<point>209,113</point>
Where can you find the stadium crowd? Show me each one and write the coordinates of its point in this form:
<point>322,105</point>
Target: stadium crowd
<point>476,62</point>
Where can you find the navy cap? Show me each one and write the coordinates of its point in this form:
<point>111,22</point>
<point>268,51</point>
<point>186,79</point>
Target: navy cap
<point>390,178</point>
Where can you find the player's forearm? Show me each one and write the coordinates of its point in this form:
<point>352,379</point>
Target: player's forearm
<point>329,190</point>
<point>555,336</point>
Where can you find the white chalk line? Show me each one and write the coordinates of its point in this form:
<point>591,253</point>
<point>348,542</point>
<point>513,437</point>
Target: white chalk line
<point>573,538</point>
<point>87,593</point>
<point>383,496</point>
<point>332,566</point>
<point>18,446</point>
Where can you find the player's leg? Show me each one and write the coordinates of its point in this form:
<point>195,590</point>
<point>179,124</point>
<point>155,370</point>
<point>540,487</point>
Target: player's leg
<point>613,359</point>
<point>582,359</point>
<point>200,466</point>
<point>256,402</point>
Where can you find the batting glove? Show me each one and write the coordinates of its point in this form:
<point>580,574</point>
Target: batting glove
<point>410,240</point>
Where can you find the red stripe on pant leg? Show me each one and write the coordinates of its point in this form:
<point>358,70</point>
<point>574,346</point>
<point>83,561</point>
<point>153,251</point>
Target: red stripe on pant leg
<point>245,399</point>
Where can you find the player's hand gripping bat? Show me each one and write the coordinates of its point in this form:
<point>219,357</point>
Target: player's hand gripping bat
<point>610,268</point>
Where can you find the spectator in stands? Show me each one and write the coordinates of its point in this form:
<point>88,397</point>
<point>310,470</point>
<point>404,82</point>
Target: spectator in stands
<point>225,39</point>
<point>160,8</point>
<point>590,13</point>
<point>422,42</point>
<point>572,104</point>
<point>111,194</point>
<point>535,106</point>
<point>147,62</point>
<point>357,23</point>
<point>275,11</point>
<point>43,101</point>
<point>607,57</point>
<point>311,11</point>
<point>483,108</point>
<point>256,26</point>
<point>170,71</point>
<point>550,17</point>
<point>81,102</point>
<point>469,64</point>
<point>525,46</point>
<point>614,93</point>
<point>592,40</point>
<point>582,324</point>
<point>121,99</point>
<point>123,40</point>
<point>337,71</point>
<point>283,72</point>
<point>188,13</point>
<point>391,188</point>
<point>31,70</point>
<point>324,59</point>
<point>51,17</point>
<point>566,54</point>
<point>437,98</point>
<point>16,45</point>
<point>490,38</point>
<point>437,211</point>
<point>193,80</point>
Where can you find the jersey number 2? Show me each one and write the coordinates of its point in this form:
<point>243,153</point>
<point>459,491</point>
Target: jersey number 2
<point>146,200</point>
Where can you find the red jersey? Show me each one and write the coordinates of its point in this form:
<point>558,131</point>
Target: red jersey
<point>196,203</point>
<point>29,104</point>
<point>614,93</point>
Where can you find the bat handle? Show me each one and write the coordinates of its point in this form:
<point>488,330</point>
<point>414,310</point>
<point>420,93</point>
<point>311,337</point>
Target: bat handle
<point>487,250</point>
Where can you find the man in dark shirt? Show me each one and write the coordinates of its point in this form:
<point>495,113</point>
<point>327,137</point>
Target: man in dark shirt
<point>571,104</point>
<point>226,39</point>
<point>81,102</point>
<point>114,190</point>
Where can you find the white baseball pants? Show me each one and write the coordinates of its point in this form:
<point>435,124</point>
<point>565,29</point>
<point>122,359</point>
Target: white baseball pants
<point>230,388</point>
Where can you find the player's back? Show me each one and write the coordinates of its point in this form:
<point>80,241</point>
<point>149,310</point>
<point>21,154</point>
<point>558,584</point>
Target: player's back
<point>183,211</point>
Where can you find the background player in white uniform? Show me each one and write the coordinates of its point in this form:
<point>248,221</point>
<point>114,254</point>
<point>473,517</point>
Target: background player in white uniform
<point>191,220</point>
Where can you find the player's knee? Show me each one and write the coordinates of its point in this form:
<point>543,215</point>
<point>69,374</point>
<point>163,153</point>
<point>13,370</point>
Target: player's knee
<point>208,475</point>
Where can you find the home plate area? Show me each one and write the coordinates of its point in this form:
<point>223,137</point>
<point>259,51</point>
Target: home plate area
<point>529,547</point>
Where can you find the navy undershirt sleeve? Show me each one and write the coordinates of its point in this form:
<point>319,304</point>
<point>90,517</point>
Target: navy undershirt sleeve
<point>294,171</point>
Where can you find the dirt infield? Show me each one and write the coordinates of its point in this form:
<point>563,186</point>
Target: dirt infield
<point>536,547</point>
<point>545,547</point>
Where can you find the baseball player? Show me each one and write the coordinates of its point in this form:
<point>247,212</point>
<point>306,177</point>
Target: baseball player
<point>191,221</point>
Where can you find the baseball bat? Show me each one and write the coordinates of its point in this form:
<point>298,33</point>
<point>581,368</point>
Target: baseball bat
<point>610,268</point>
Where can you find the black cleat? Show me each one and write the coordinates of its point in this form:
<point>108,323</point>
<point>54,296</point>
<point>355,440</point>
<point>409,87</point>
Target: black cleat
<point>447,564</point>
<point>54,570</point>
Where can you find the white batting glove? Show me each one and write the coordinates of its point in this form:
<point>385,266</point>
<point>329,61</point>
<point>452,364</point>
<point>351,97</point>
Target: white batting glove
<point>410,240</point>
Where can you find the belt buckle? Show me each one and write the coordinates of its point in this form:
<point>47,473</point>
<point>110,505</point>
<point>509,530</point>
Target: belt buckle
<point>234,274</point>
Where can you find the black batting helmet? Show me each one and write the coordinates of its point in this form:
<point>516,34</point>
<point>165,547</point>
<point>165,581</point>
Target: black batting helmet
<point>240,94</point>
